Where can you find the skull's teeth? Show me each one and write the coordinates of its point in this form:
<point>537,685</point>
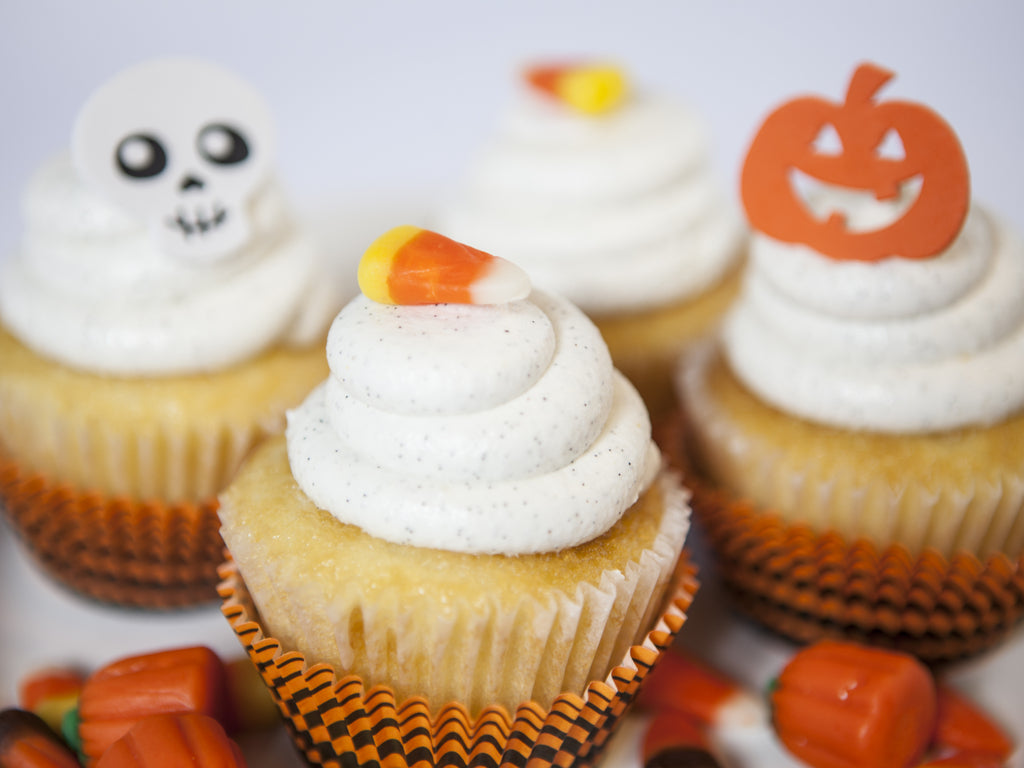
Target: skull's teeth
<point>199,223</point>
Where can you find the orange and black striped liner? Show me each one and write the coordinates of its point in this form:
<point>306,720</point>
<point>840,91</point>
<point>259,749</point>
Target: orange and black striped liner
<point>336,722</point>
<point>143,554</point>
<point>809,586</point>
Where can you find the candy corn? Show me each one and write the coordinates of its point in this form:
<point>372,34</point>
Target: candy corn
<point>409,265</point>
<point>962,725</point>
<point>50,693</point>
<point>589,88</point>
<point>680,682</point>
<point>676,740</point>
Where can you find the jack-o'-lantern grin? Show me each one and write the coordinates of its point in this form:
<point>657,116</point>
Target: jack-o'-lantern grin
<point>855,210</point>
<point>860,179</point>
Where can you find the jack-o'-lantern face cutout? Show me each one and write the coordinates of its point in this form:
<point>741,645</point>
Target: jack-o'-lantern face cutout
<point>863,180</point>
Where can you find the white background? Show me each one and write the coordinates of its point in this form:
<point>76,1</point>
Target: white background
<point>385,101</point>
<point>386,97</point>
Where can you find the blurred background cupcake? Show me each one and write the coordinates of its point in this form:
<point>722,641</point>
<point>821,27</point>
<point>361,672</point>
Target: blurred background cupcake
<point>470,511</point>
<point>161,313</point>
<point>605,193</point>
<point>858,429</point>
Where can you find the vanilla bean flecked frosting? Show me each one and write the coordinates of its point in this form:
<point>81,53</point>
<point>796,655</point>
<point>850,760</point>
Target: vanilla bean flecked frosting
<point>90,288</point>
<point>498,429</point>
<point>617,212</point>
<point>899,345</point>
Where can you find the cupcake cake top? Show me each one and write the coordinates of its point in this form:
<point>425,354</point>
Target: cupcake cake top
<point>488,424</point>
<point>877,296</point>
<point>601,191</point>
<point>162,244</point>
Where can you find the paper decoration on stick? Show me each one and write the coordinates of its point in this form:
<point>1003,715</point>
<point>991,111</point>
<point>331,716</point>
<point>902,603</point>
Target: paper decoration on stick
<point>409,265</point>
<point>592,89</point>
<point>926,191</point>
<point>182,145</point>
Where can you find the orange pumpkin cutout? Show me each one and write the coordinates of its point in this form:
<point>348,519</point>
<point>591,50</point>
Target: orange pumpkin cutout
<point>785,147</point>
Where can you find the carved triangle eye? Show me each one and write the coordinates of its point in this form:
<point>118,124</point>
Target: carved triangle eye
<point>891,146</point>
<point>827,142</point>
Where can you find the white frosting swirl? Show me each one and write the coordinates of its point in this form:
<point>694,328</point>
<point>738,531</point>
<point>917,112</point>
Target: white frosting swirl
<point>90,289</point>
<point>898,345</point>
<point>488,429</point>
<point>617,213</point>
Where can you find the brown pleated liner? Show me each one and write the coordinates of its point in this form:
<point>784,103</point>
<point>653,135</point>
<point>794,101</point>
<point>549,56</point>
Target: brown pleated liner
<point>336,721</point>
<point>117,550</point>
<point>808,585</point>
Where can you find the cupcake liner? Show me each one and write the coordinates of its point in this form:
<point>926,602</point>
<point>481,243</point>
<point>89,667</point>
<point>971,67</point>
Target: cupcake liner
<point>809,585</point>
<point>114,549</point>
<point>527,640</point>
<point>917,491</point>
<point>338,721</point>
<point>177,438</point>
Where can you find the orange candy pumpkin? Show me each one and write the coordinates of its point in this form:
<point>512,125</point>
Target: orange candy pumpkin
<point>844,705</point>
<point>933,157</point>
<point>173,741</point>
<point>120,694</point>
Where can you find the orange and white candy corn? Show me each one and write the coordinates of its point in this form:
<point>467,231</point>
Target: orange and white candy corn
<point>409,265</point>
<point>681,682</point>
<point>589,88</point>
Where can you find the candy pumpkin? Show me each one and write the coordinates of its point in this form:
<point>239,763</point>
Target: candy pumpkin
<point>844,705</point>
<point>120,694</point>
<point>785,146</point>
<point>170,741</point>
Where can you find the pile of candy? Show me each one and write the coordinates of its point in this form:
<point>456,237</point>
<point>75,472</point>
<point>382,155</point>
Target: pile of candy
<point>834,705</point>
<point>171,707</point>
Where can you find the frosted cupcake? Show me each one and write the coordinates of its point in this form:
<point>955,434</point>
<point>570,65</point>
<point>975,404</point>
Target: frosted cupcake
<point>469,511</point>
<point>605,194</point>
<point>161,314</point>
<point>860,424</point>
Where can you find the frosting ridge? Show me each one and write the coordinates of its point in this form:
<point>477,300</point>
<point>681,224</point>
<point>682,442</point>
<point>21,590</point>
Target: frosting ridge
<point>628,196</point>
<point>541,446</point>
<point>89,287</point>
<point>896,345</point>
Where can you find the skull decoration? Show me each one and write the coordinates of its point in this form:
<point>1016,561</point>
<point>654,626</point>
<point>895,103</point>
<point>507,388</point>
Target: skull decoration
<point>183,145</point>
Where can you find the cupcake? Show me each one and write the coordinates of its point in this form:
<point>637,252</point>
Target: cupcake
<point>468,520</point>
<point>605,194</point>
<point>857,430</point>
<point>161,314</point>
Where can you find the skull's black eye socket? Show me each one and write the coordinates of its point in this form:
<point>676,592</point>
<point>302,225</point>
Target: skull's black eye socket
<point>222,144</point>
<point>141,156</point>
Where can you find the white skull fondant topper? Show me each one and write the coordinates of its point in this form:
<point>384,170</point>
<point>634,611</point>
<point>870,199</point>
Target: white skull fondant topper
<point>181,144</point>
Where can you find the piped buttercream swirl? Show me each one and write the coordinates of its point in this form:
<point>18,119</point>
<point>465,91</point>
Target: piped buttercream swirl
<point>90,288</point>
<point>618,212</point>
<point>497,429</point>
<point>899,345</point>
